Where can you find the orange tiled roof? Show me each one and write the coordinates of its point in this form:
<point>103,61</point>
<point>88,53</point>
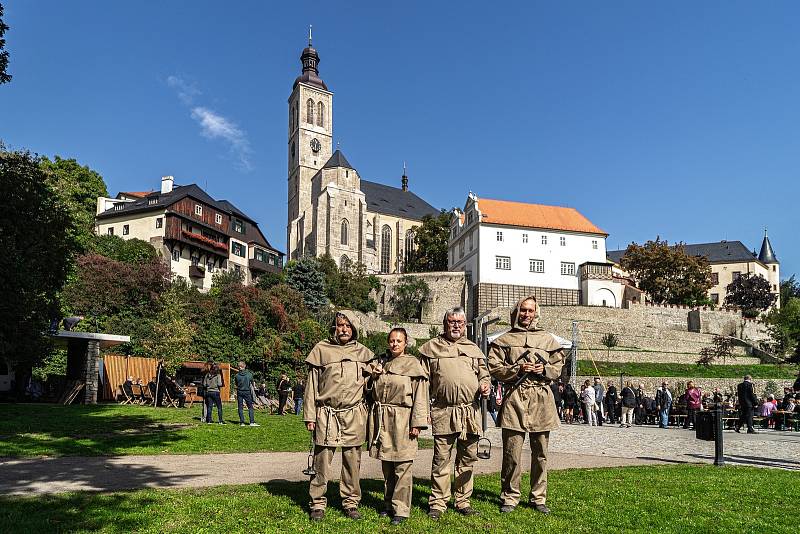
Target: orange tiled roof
<point>535,216</point>
<point>137,194</point>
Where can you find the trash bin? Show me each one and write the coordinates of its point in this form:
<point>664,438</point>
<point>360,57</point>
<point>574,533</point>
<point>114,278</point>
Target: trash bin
<point>704,425</point>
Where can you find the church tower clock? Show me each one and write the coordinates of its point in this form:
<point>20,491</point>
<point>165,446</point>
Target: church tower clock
<point>309,147</point>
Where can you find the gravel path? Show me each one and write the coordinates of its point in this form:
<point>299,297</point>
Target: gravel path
<point>571,446</point>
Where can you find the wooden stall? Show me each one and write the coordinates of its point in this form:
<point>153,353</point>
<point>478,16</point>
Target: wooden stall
<point>118,367</point>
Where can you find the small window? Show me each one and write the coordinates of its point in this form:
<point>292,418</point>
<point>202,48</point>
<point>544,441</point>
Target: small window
<point>714,298</point>
<point>210,266</point>
<point>260,255</point>
<point>471,240</point>
<point>500,236</point>
<point>218,218</point>
<point>461,249</point>
<point>119,206</point>
<point>715,279</point>
<point>176,255</point>
<point>563,241</point>
<point>773,268</point>
<point>198,209</point>
<point>544,240</point>
<point>126,229</point>
<point>594,244</point>
<point>470,217</point>
<point>152,201</point>
<point>237,269</point>
<point>195,260</point>
<point>238,226</point>
<point>536,266</point>
<point>524,238</point>
<point>237,249</point>
<point>735,275</point>
<point>502,262</point>
<point>111,230</point>
<point>567,268</point>
<point>159,222</point>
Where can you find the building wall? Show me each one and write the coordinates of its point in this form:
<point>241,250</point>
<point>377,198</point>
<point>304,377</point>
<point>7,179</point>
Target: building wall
<point>241,261</point>
<point>141,226</point>
<point>724,272</point>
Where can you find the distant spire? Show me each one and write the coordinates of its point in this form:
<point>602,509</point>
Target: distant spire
<point>404,179</point>
<point>767,254</point>
<point>309,35</point>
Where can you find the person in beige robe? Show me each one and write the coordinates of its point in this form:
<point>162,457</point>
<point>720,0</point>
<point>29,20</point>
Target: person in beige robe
<point>334,410</point>
<point>526,359</point>
<point>398,389</point>
<point>458,376</point>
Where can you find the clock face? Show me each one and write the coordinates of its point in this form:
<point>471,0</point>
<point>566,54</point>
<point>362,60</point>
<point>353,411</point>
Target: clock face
<point>315,145</point>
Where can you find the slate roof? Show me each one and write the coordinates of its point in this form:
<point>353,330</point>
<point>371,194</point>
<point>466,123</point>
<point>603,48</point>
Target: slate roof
<point>535,216</point>
<point>718,252</point>
<point>767,255</point>
<point>394,201</point>
<point>338,160</point>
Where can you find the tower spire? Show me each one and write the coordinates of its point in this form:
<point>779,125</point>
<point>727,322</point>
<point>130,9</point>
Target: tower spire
<point>404,179</point>
<point>309,35</point>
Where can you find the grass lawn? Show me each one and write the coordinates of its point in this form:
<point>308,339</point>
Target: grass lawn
<point>635,499</point>
<point>30,430</point>
<point>689,370</point>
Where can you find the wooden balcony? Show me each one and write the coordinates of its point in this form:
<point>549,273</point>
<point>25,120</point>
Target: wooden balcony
<point>260,267</point>
<point>175,232</point>
<point>196,271</point>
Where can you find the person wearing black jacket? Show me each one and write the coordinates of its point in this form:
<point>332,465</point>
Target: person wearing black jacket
<point>611,403</point>
<point>639,413</point>
<point>284,387</point>
<point>570,398</point>
<point>629,404</point>
<point>747,401</point>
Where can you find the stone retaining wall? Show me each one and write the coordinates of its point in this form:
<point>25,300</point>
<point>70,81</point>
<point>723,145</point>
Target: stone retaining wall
<point>447,290</point>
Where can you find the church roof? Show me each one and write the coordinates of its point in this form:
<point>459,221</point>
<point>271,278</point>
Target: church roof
<point>395,202</point>
<point>767,255</point>
<point>338,160</point>
<point>718,252</point>
<point>535,216</point>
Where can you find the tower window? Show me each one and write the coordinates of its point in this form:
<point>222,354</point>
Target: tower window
<point>344,232</point>
<point>563,241</point>
<point>310,111</point>
<point>320,114</point>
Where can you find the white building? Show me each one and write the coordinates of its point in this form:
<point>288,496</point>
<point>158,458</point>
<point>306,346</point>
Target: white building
<point>511,249</point>
<point>195,234</point>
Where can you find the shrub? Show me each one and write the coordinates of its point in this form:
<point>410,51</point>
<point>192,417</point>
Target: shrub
<point>410,294</point>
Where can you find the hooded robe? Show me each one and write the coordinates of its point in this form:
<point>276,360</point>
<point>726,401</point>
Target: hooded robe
<point>528,407</point>
<point>334,394</point>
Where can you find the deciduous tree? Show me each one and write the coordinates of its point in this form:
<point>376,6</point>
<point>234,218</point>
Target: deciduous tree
<point>751,292</point>
<point>667,273</point>
<point>430,244</point>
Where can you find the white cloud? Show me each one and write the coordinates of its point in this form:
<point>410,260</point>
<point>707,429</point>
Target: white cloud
<point>212,124</point>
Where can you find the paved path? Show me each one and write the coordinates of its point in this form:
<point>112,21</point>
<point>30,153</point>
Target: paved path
<point>571,446</point>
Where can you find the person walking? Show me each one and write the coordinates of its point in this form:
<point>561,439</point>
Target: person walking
<point>528,361</point>
<point>747,402</point>
<point>297,391</point>
<point>457,377</point>
<point>663,405</point>
<point>628,405</point>
<point>284,388</point>
<point>244,393</point>
<point>398,390</point>
<point>693,403</point>
<point>335,413</point>
<point>612,399</point>
<point>212,384</point>
<point>589,401</point>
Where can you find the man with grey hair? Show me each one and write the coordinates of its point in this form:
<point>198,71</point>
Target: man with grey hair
<point>747,401</point>
<point>458,377</point>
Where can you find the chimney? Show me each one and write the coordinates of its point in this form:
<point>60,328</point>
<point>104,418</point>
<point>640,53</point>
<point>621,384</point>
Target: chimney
<point>404,179</point>
<point>166,184</point>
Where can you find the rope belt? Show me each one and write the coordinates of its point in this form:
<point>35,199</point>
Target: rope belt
<point>335,413</point>
<point>377,413</point>
<point>463,414</point>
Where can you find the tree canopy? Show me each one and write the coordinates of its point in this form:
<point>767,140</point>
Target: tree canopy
<point>430,244</point>
<point>38,239</point>
<point>667,273</point>
<point>348,287</point>
<point>752,293</point>
<point>305,276</point>
<point>784,325</point>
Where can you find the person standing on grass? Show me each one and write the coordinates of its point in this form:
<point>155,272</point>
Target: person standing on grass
<point>693,403</point>
<point>628,405</point>
<point>747,402</point>
<point>297,390</point>
<point>284,387</point>
<point>335,413</point>
<point>457,378</point>
<point>398,389</point>
<point>527,360</point>
<point>212,384</point>
<point>663,405</point>
<point>244,393</point>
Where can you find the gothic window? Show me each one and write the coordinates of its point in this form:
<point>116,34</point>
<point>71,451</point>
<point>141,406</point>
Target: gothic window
<point>409,245</point>
<point>310,111</point>
<point>344,263</point>
<point>386,247</point>
<point>344,232</point>
<point>320,114</point>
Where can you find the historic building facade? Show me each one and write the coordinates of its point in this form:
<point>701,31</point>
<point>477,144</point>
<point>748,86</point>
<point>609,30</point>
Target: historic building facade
<point>331,208</point>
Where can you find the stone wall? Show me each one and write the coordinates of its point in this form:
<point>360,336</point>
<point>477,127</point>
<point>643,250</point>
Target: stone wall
<point>725,385</point>
<point>448,290</point>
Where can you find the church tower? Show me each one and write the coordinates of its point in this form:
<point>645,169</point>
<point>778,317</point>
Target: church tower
<point>309,148</point>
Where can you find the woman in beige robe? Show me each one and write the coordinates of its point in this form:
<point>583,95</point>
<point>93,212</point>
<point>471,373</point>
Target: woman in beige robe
<point>398,390</point>
<point>526,360</point>
<point>335,412</point>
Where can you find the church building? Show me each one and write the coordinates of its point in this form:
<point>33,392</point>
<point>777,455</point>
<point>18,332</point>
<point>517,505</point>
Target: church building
<point>331,209</point>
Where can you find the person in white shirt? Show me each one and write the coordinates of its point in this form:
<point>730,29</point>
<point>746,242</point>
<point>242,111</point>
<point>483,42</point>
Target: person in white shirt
<point>589,403</point>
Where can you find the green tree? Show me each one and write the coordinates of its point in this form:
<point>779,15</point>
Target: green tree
<point>79,186</point>
<point>789,288</point>
<point>752,293</point>
<point>268,280</point>
<point>667,273</point>
<point>609,341</point>
<point>172,332</point>
<point>430,244</point>
<point>721,349</point>
<point>784,325</point>
<point>349,287</point>
<point>37,235</point>
<point>305,276</point>
<point>5,77</point>
<point>133,251</point>
<point>410,294</point>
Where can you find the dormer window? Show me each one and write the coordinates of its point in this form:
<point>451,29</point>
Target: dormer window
<point>151,201</point>
<point>218,218</point>
<point>118,206</point>
<point>198,210</point>
<point>238,226</point>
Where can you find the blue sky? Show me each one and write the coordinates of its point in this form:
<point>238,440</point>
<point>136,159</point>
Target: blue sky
<point>677,119</point>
